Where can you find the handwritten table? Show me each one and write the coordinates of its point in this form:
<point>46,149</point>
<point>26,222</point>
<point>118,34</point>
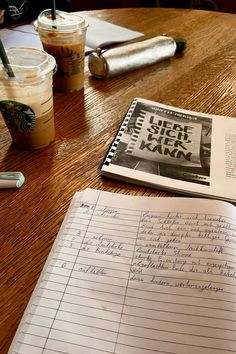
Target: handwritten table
<point>202,80</point>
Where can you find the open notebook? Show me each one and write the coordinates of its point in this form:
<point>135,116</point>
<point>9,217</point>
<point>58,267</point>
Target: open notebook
<point>136,275</point>
<point>99,33</point>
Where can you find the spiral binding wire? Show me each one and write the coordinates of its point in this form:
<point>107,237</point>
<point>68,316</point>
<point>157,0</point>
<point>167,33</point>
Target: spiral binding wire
<point>120,132</point>
<point>135,135</point>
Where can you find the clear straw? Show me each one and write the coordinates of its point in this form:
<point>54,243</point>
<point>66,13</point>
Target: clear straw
<point>5,60</point>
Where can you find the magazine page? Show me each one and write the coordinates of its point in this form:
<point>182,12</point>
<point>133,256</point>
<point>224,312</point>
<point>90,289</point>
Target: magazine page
<point>102,33</point>
<point>170,148</point>
<point>24,36</point>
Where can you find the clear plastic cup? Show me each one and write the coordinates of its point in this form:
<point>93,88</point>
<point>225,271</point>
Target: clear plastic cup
<point>26,100</point>
<point>64,38</point>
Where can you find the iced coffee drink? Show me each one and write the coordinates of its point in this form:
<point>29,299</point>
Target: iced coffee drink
<point>26,100</point>
<point>64,38</point>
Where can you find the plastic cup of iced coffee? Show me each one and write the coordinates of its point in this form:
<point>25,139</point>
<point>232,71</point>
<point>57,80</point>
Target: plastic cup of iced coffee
<point>26,97</point>
<point>64,38</point>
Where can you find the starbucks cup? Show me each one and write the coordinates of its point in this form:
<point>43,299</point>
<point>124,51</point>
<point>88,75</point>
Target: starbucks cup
<point>26,99</point>
<point>64,38</point>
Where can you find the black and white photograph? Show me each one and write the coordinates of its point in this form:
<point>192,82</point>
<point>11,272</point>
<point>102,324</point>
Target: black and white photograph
<point>166,142</point>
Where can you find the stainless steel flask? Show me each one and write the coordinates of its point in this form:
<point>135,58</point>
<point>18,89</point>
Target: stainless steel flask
<point>105,63</point>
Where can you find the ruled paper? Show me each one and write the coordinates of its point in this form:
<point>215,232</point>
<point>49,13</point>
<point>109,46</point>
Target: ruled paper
<point>136,275</point>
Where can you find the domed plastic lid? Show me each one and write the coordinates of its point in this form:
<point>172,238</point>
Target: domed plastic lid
<point>29,63</point>
<point>64,21</point>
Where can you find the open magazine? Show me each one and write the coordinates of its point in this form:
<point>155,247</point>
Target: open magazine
<point>174,149</point>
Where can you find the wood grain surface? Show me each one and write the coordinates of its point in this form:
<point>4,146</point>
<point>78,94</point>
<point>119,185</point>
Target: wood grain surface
<point>203,79</point>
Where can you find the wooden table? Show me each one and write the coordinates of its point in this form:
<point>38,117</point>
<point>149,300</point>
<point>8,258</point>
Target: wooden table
<point>204,79</point>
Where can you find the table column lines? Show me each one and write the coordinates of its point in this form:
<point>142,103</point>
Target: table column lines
<point>87,226</point>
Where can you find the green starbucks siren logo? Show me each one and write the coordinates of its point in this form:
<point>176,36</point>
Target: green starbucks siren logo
<point>17,115</point>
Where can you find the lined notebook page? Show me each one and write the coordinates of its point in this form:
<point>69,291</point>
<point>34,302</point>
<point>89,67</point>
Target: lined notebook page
<point>136,275</point>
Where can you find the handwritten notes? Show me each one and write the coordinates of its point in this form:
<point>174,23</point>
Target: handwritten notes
<point>136,275</point>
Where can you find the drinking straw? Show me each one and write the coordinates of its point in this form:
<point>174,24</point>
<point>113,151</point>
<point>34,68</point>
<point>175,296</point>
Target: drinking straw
<point>5,60</point>
<point>53,10</point>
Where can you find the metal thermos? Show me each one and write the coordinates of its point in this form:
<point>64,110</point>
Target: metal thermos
<point>105,63</point>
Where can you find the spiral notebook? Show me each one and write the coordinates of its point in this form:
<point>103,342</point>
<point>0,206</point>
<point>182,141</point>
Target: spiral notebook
<point>174,149</point>
<point>136,275</point>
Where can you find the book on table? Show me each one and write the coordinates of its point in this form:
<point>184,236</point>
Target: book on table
<point>179,150</point>
<point>137,275</point>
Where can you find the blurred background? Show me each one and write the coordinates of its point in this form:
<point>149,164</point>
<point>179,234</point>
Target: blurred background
<point>217,5</point>
<point>15,11</point>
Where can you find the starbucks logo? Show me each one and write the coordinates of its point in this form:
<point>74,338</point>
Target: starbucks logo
<point>17,116</point>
